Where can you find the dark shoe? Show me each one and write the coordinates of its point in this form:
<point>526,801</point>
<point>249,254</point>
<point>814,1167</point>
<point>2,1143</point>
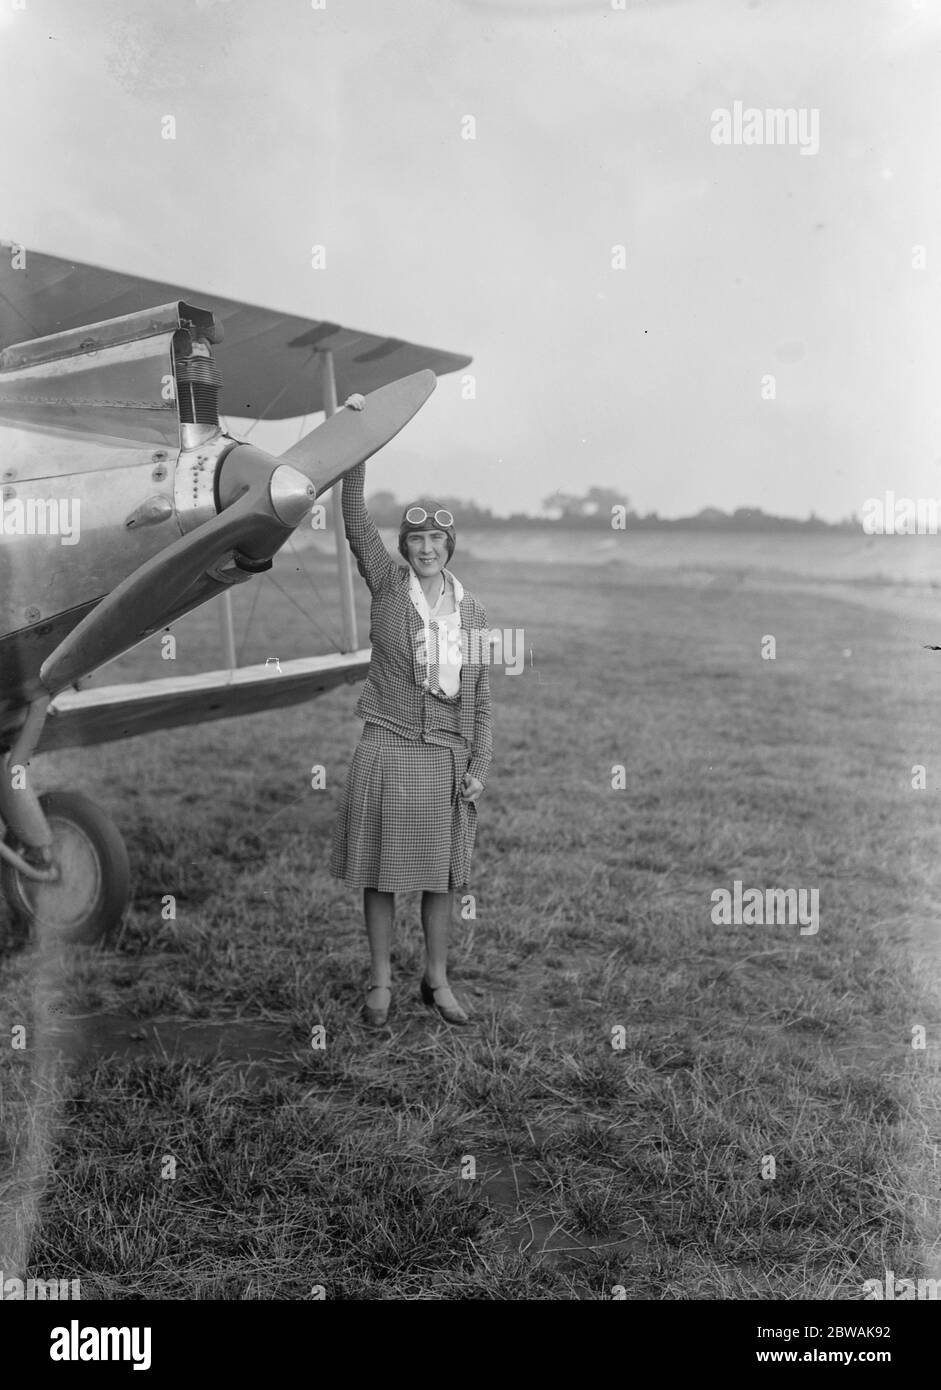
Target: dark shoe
<point>376,1018</point>
<point>456,1016</point>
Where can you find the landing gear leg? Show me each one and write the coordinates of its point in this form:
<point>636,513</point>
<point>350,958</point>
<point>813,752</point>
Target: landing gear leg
<point>88,896</point>
<point>63,866</point>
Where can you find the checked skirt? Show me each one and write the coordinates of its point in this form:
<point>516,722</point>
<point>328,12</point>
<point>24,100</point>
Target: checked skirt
<point>402,825</point>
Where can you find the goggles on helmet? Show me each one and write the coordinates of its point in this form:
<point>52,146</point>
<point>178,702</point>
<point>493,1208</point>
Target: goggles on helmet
<point>415,516</point>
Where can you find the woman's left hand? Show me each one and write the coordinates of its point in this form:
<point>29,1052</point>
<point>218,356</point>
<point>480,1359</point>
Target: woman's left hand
<point>471,787</point>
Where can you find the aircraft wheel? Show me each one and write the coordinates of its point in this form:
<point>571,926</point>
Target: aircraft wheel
<point>89,898</point>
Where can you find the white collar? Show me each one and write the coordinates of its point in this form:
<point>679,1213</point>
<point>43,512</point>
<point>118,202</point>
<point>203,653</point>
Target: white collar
<point>417,594</point>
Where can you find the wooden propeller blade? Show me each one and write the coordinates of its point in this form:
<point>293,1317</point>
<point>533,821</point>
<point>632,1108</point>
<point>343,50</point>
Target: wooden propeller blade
<point>351,436</point>
<point>146,599</point>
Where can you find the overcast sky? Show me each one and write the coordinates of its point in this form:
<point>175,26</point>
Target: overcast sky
<point>343,126</point>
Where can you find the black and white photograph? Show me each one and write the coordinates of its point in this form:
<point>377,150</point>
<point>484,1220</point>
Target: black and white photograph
<point>470,666</point>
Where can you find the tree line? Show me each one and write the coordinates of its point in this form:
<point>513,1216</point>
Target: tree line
<point>597,505</point>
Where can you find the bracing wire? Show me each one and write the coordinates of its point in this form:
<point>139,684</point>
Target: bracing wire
<point>291,599</point>
<point>251,614</point>
<point>317,593</point>
<point>274,400</point>
<point>20,315</point>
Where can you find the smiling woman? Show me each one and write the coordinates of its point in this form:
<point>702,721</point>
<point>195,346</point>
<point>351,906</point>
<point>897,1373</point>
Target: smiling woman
<point>408,819</point>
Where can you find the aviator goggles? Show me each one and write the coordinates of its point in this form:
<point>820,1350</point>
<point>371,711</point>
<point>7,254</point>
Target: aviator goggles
<point>416,515</point>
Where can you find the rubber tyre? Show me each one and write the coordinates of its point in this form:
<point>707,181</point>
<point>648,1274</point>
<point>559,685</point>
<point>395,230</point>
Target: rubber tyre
<point>89,902</point>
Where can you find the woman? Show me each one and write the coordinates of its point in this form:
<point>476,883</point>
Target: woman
<point>408,819</point>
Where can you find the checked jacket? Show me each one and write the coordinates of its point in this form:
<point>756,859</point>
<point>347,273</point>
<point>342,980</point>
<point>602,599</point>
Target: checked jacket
<point>393,696</point>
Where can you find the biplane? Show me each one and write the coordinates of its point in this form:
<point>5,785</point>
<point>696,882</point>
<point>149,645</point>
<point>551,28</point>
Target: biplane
<point>126,503</point>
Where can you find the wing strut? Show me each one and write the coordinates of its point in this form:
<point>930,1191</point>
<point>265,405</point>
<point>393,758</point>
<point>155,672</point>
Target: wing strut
<point>227,628</point>
<point>344,568</point>
<point>328,389</point>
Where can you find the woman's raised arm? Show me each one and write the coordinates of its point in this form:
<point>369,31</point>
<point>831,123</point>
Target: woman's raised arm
<point>374,562</point>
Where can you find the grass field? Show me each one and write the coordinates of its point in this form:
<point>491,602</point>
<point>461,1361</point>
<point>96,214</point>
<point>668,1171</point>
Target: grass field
<point>529,1157</point>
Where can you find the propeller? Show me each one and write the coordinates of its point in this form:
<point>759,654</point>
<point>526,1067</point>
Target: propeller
<point>262,500</point>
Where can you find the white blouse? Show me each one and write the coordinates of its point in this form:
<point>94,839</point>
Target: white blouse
<point>445,618</point>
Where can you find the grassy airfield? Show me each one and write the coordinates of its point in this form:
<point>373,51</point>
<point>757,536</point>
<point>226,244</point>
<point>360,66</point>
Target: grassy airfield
<point>170,1131</point>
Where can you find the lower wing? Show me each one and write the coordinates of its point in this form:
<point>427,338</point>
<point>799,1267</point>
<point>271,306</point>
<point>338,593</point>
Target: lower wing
<point>79,719</point>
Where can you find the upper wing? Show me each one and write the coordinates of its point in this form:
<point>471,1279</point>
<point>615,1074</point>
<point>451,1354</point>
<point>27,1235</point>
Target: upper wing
<point>85,717</point>
<point>262,352</point>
